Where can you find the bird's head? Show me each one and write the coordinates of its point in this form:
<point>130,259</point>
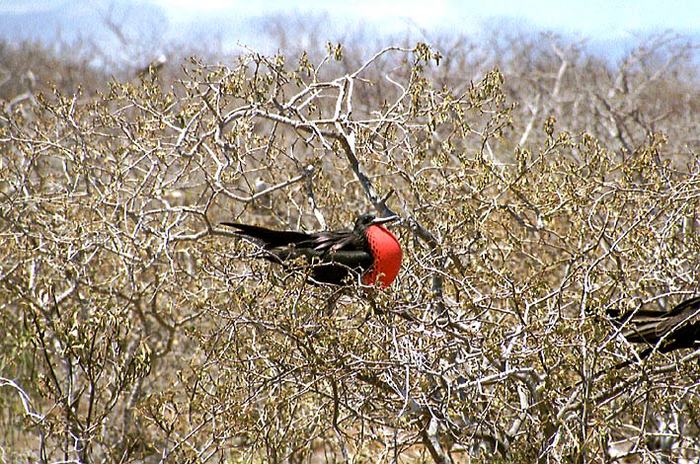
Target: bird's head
<point>366,220</point>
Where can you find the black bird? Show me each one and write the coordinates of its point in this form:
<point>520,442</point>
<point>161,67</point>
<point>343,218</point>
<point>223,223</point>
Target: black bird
<point>664,331</point>
<point>369,249</point>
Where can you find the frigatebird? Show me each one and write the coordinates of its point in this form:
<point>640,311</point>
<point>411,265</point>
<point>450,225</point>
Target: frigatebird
<point>369,250</point>
<point>663,331</point>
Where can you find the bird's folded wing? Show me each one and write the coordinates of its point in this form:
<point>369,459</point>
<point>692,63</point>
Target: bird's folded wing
<point>270,238</point>
<point>353,259</point>
<point>650,326</point>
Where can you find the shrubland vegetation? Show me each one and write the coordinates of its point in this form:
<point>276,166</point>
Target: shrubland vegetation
<point>539,188</point>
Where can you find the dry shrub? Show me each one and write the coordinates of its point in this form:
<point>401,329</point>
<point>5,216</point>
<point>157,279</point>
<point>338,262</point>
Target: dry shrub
<point>139,330</point>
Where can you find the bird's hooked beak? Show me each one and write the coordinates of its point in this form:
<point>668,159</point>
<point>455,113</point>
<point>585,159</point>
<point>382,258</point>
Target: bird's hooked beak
<point>385,220</point>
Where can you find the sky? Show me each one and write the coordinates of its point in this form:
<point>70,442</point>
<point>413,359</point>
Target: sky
<point>592,18</point>
<point>239,22</point>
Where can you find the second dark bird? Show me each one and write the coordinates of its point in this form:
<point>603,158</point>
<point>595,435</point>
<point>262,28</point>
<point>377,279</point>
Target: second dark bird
<point>369,249</point>
<point>663,331</point>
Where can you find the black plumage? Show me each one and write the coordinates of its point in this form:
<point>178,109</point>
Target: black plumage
<point>333,255</point>
<point>664,331</point>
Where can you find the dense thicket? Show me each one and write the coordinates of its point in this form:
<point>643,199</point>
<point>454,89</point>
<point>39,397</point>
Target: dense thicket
<point>540,188</point>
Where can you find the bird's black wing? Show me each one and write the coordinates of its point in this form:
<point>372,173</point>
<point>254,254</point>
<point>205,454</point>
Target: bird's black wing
<point>270,238</point>
<point>334,240</point>
<point>344,247</point>
<point>675,329</point>
<point>340,254</point>
<point>682,326</point>
<point>333,255</point>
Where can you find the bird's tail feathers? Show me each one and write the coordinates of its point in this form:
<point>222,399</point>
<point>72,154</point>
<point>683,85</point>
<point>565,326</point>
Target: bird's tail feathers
<point>269,238</point>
